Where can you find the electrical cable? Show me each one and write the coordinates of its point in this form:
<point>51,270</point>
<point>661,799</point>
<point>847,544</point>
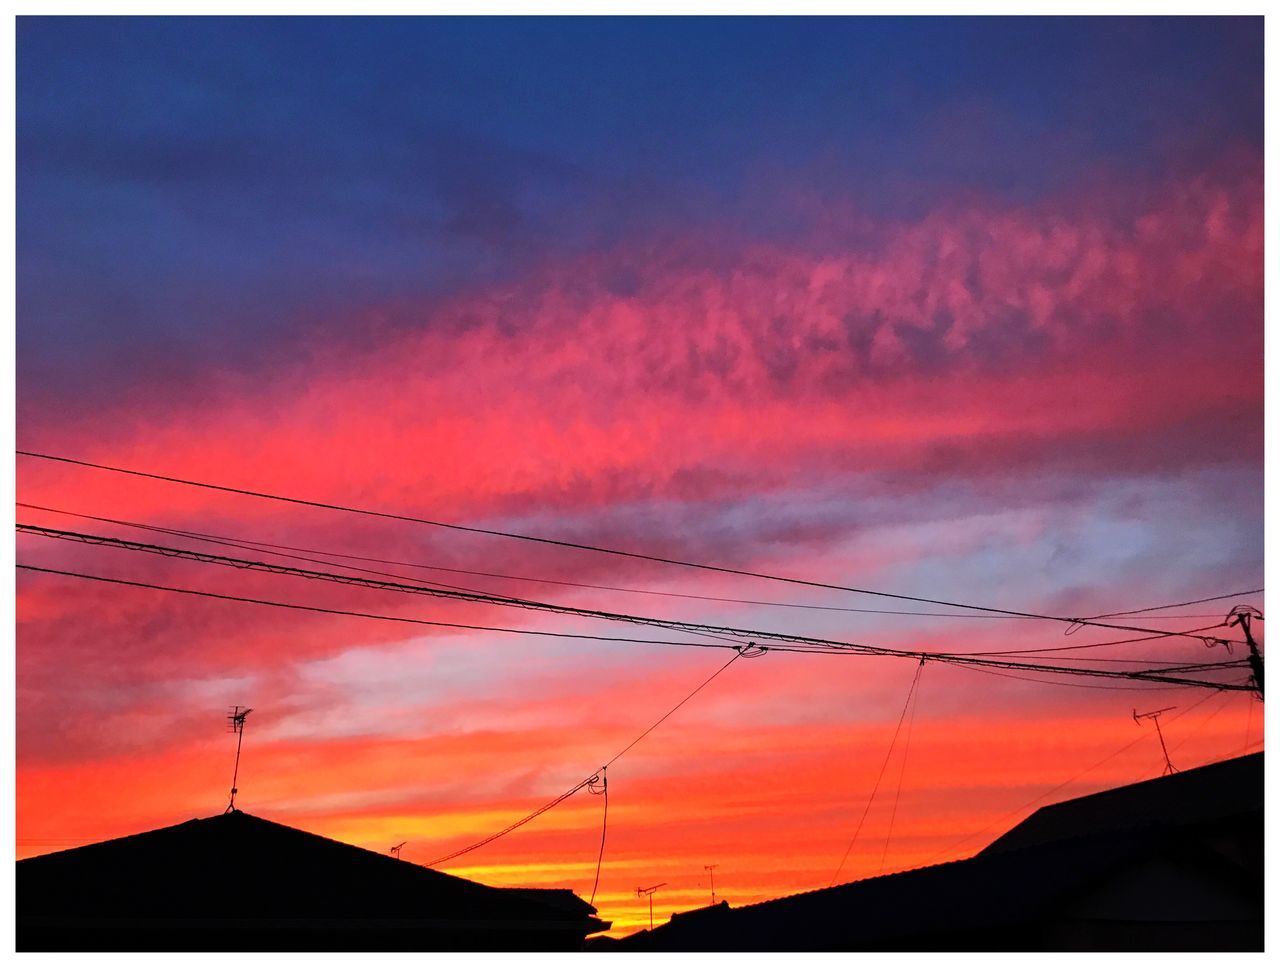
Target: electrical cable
<point>435,588</point>
<point>1248,724</point>
<point>1194,601</point>
<point>792,643</point>
<point>1077,685</point>
<point>1071,622</point>
<point>275,548</point>
<point>604,829</point>
<point>595,777</point>
<point>1226,701</point>
<point>1191,633</point>
<point>249,545</point>
<point>880,776</point>
<point>515,826</point>
<point>906,751</point>
<point>369,615</point>
<point>430,589</point>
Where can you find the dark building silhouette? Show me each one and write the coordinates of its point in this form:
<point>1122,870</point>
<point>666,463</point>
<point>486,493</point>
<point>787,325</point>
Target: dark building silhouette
<point>236,882</point>
<point>1169,864</point>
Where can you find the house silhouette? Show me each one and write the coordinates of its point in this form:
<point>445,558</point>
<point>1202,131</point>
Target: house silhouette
<point>236,882</point>
<point>1169,864</point>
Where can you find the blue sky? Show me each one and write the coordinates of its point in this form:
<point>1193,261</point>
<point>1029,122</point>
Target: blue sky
<point>203,183</point>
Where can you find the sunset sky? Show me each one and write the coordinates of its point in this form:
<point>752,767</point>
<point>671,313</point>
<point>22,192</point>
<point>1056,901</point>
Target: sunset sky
<point>965,309</point>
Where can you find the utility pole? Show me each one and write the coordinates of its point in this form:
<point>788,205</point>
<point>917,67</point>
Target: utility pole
<point>235,723</point>
<point>1243,615</point>
<point>711,869</point>
<point>1155,718</point>
<point>649,892</point>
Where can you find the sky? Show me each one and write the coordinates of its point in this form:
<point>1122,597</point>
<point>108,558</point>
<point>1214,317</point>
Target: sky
<point>966,309</point>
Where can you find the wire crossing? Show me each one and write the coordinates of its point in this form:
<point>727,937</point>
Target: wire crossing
<point>387,515</point>
<point>789,643</point>
<point>595,778</point>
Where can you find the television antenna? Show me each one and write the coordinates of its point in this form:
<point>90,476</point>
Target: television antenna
<point>711,869</point>
<point>235,724</point>
<point>395,851</point>
<point>649,892</point>
<point>1154,716</point>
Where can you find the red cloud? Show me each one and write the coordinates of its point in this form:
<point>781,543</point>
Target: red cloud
<point>1000,347</point>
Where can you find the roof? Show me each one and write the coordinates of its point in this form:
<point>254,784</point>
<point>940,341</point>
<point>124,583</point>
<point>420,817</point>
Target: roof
<point>1194,796</point>
<point>237,866</point>
<point>986,900</point>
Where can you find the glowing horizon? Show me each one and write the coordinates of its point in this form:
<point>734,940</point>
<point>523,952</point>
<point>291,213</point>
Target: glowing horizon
<point>816,327</point>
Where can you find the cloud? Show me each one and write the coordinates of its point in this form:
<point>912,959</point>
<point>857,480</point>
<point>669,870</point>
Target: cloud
<point>991,402</point>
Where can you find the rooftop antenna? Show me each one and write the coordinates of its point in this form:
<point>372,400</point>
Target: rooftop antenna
<point>1154,716</point>
<point>395,851</point>
<point>649,892</point>
<point>235,724</point>
<point>711,869</point>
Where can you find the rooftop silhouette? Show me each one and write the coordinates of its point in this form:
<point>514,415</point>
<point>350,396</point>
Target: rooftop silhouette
<point>239,882</point>
<point>1174,863</point>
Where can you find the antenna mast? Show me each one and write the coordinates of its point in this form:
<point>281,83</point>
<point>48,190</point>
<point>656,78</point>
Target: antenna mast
<point>1154,716</point>
<point>711,869</point>
<point>395,851</point>
<point>649,892</point>
<point>235,724</point>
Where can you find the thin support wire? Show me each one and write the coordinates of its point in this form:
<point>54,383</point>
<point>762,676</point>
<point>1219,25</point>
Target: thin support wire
<point>604,828</point>
<point>906,751</point>
<point>883,766</point>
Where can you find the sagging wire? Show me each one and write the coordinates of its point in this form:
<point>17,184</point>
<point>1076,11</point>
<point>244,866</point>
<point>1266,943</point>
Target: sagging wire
<point>749,651</point>
<point>599,786</point>
<point>906,751</point>
<point>883,766</point>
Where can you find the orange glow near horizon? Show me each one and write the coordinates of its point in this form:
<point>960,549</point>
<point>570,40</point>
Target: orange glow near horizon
<point>1103,453</point>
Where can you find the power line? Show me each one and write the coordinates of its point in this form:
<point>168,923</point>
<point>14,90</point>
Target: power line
<point>1194,601</point>
<point>749,652</point>
<point>515,826</point>
<point>430,589</point>
<point>276,548</point>
<point>369,615</point>
<point>902,770</point>
<point>675,625</point>
<point>1226,701</point>
<point>566,544</point>
<point>249,544</point>
<point>604,829</point>
<point>1187,633</point>
<point>1165,665</point>
<point>915,679</point>
<point>593,778</point>
<point>1077,685</point>
<point>252,545</point>
<point>801,644</point>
